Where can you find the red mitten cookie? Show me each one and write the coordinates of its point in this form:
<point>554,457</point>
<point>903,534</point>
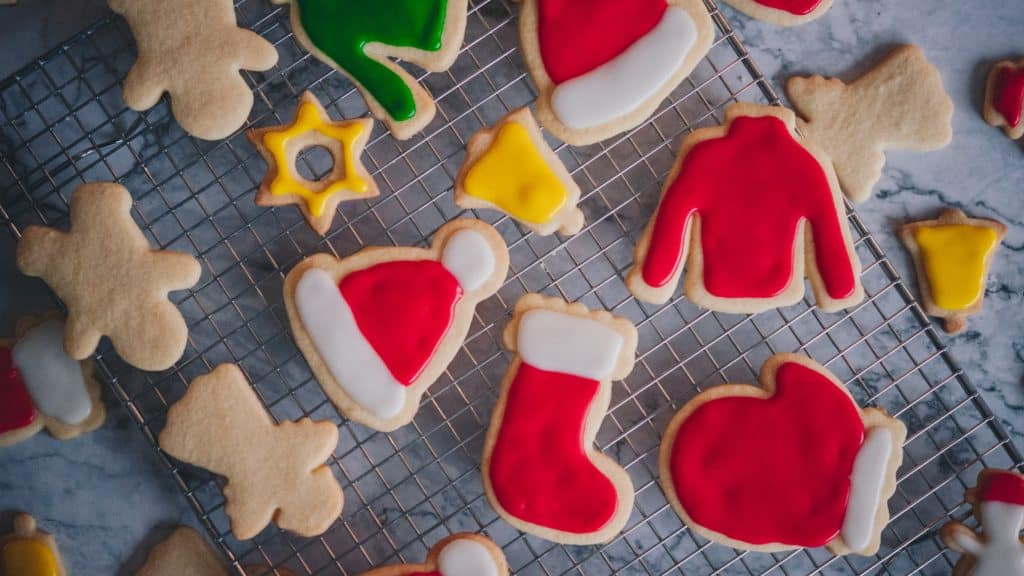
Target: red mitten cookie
<point>998,503</point>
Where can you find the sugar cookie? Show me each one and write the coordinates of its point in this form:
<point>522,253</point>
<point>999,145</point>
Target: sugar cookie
<point>782,12</point>
<point>186,553</point>
<point>1004,97</point>
<point>998,504</point>
<point>460,554</point>
<point>29,551</point>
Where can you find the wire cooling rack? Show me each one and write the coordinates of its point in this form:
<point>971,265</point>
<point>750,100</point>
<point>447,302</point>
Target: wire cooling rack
<point>63,123</point>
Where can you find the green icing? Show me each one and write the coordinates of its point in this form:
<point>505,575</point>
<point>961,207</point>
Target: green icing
<point>342,28</point>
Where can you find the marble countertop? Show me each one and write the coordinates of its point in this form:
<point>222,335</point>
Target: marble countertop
<point>106,492</point>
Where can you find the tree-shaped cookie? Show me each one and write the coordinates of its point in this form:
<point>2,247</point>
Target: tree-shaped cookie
<point>998,504</point>
<point>111,281</point>
<point>460,554</point>
<point>193,50</point>
<point>900,104</point>
<point>186,553</point>
<point>29,551</point>
<point>275,472</point>
<point>1004,97</point>
<point>782,12</point>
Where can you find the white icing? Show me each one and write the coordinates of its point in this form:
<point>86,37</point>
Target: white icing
<point>53,379</point>
<point>1002,552</point>
<point>866,481</point>
<point>356,367</point>
<point>465,557</point>
<point>559,342</point>
<point>468,256</point>
<point>620,86</point>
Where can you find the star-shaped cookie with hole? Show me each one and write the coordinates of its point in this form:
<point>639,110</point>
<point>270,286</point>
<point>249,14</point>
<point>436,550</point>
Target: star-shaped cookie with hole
<point>312,126</point>
<point>112,282</point>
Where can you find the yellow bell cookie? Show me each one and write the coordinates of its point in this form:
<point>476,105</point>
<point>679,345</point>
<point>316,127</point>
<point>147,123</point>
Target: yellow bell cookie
<point>28,551</point>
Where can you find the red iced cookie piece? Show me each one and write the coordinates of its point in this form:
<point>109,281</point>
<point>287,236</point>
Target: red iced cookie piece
<point>16,408</point>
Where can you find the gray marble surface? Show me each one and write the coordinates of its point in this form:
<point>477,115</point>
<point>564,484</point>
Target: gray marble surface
<point>104,493</point>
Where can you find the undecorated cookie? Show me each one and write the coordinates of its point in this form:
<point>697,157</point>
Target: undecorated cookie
<point>1004,97</point>
<point>782,12</point>
<point>111,281</point>
<point>29,551</point>
<point>460,554</point>
<point>998,505</point>
<point>193,50</point>
<point>746,207</point>
<point>275,472</point>
<point>900,104</point>
<point>793,463</point>
<point>186,553</point>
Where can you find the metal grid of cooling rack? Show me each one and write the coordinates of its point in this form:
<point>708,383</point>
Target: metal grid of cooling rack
<point>63,123</point>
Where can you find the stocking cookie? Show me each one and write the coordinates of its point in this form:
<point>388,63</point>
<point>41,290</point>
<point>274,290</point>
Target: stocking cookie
<point>275,472</point>
<point>312,126</point>
<point>186,553</point>
<point>378,327</point>
<point>998,503</point>
<point>460,554</point>
<point>540,470</point>
<point>1004,97</point>
<point>793,464</point>
<point>952,255</point>
<point>512,169</point>
<point>603,67</point>
<point>29,551</point>
<point>900,104</point>
<point>360,39</point>
<point>193,50</point>
<point>782,12</point>
<point>746,206</point>
<point>41,387</point>
<point>111,281</point>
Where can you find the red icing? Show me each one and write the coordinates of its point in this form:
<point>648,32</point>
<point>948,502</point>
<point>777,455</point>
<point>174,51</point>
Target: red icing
<point>795,7</point>
<point>770,471</point>
<point>576,36</point>
<point>435,573</point>
<point>540,471</point>
<point>1003,486</point>
<point>1009,96</point>
<point>403,309</point>
<point>16,409</point>
<point>751,188</point>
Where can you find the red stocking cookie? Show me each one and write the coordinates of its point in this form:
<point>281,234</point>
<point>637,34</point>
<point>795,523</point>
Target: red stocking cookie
<point>540,469</point>
<point>1004,97</point>
<point>746,207</point>
<point>998,503</point>
<point>793,464</point>
<point>378,327</point>
<point>460,554</point>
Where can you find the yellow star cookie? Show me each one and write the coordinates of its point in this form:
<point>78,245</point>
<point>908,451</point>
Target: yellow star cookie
<point>952,254</point>
<point>28,551</point>
<point>312,126</point>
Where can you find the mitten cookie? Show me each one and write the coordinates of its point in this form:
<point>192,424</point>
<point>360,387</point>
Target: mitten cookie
<point>746,206</point>
<point>952,255</point>
<point>900,104</point>
<point>111,281</point>
<point>793,464</point>
<point>29,552</point>
<point>41,387</point>
<point>603,67</point>
<point>512,169</point>
<point>540,469</point>
<point>275,472</point>
<point>379,326</point>
<point>998,504</point>
<point>312,126</point>
<point>193,50</point>
<point>360,39</point>
<point>782,12</point>
<point>1004,97</point>
<point>460,554</point>
<point>186,553</point>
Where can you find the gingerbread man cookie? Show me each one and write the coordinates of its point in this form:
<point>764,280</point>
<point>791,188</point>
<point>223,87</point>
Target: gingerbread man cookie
<point>782,12</point>
<point>795,463</point>
<point>998,504</point>
<point>1004,97</point>
<point>540,469</point>
<point>29,551</point>
<point>511,168</point>
<point>460,554</point>
<point>186,553</point>
<point>193,50</point>
<point>312,126</point>
<point>275,472</point>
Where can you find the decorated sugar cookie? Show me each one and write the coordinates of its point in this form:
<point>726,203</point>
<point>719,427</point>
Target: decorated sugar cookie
<point>793,464</point>
<point>603,66</point>
<point>41,387</point>
<point>998,550</point>
<point>460,554</point>
<point>782,12</point>
<point>540,469</point>
<point>275,472</point>
<point>360,39</point>
<point>111,281</point>
<point>1004,97</point>
<point>745,207</point>
<point>378,327</point>
<point>900,104</point>
<point>312,126</point>
<point>512,169</point>
<point>29,551</point>
<point>186,553</point>
<point>952,254</point>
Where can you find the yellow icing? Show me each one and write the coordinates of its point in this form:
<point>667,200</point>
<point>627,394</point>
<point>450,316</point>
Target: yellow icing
<point>954,259</point>
<point>28,557</point>
<point>513,175</point>
<point>308,119</point>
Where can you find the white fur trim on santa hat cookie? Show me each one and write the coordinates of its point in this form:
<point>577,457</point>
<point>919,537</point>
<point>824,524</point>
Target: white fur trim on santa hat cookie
<point>466,557</point>
<point>469,257</point>
<point>866,483</point>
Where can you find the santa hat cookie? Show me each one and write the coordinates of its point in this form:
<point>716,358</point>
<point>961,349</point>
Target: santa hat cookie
<point>793,464</point>
<point>378,327</point>
<point>29,551</point>
<point>782,12</point>
<point>461,554</point>
<point>998,503</point>
<point>603,67</point>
